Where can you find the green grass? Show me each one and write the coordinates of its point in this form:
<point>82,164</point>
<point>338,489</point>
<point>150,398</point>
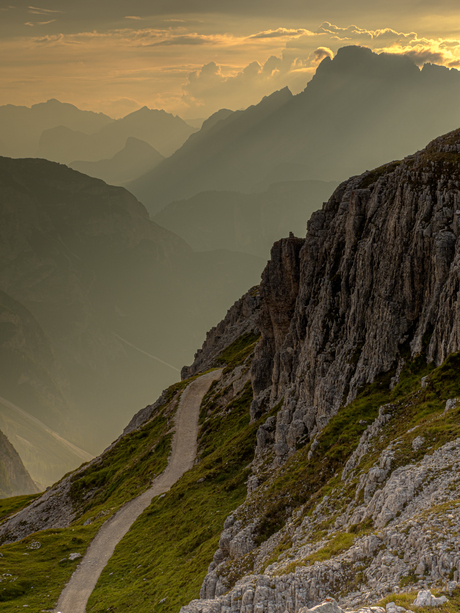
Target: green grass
<point>340,543</point>
<point>169,548</point>
<point>406,600</point>
<point>9,506</point>
<point>238,351</point>
<point>38,575</point>
<point>375,174</point>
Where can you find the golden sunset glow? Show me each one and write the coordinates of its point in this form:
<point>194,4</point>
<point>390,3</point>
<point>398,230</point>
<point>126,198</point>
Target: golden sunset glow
<point>193,63</point>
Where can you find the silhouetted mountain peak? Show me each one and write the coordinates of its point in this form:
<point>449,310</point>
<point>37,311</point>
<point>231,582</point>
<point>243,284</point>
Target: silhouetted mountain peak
<point>219,115</point>
<point>277,98</point>
<point>136,143</point>
<point>363,62</point>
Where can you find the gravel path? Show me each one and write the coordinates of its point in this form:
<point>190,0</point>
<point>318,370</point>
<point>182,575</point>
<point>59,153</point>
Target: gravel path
<point>75,595</point>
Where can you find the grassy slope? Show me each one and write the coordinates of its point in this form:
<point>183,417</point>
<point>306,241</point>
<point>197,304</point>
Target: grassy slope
<point>38,575</point>
<point>146,569</point>
<point>189,519</point>
<point>302,483</point>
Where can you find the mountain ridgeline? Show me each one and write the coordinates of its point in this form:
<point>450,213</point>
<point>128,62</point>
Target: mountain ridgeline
<point>357,98</point>
<point>328,454</point>
<point>99,307</point>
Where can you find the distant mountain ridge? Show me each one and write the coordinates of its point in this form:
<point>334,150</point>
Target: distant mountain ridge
<point>136,158</point>
<point>21,126</point>
<point>14,478</point>
<point>323,133</point>
<point>250,223</point>
<point>162,131</point>
<point>99,308</point>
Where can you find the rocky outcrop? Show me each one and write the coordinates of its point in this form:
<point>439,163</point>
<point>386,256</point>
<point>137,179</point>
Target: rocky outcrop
<point>240,319</point>
<point>413,514</point>
<point>375,281</point>
<point>279,289</point>
<point>372,287</point>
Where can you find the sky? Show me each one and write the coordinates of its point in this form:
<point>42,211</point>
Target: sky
<point>193,57</point>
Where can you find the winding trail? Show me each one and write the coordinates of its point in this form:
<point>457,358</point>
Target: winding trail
<point>75,595</point>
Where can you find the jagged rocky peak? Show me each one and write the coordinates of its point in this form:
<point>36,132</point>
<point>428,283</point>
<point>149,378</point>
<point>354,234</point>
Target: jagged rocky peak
<point>374,282</point>
<point>239,320</point>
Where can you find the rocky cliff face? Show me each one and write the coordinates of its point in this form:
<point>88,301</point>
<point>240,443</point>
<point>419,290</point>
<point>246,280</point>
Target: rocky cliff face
<point>240,319</point>
<point>367,301</point>
<point>374,283</point>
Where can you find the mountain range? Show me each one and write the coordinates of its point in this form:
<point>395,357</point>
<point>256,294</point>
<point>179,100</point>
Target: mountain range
<point>100,307</point>
<point>326,473</point>
<point>357,98</point>
<point>135,159</point>
<point>162,131</point>
<point>21,126</point>
<point>249,223</point>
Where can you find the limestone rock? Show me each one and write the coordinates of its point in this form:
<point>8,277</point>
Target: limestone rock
<point>329,605</point>
<point>339,307</point>
<point>74,556</point>
<point>240,319</point>
<point>451,403</point>
<point>417,443</point>
<point>426,599</point>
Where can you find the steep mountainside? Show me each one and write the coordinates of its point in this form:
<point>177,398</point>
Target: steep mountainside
<point>136,158</point>
<point>28,381</point>
<point>329,451</point>
<point>324,132</point>
<point>245,222</point>
<point>14,478</point>
<point>108,306</point>
<point>21,127</point>
<point>162,131</point>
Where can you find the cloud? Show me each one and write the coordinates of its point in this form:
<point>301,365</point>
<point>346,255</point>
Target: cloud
<point>49,39</point>
<point>132,17</point>
<point>212,87</point>
<point>195,39</point>
<point>356,33</point>
<point>320,53</point>
<point>281,33</point>
<point>423,55</point>
<point>34,10</point>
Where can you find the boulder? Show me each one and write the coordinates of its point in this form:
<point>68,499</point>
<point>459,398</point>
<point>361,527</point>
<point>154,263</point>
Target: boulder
<point>426,599</point>
<point>329,605</point>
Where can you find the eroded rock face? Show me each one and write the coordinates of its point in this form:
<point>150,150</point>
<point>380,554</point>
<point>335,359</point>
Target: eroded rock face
<point>377,275</point>
<point>240,319</point>
<point>279,290</point>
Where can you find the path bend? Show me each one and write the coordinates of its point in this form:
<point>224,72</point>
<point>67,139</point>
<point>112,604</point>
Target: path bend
<point>75,595</point>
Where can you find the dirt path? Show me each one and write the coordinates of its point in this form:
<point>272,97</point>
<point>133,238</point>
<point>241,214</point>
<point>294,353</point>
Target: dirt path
<point>75,595</point>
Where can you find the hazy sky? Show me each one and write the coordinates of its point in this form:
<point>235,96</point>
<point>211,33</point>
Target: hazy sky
<point>192,57</point>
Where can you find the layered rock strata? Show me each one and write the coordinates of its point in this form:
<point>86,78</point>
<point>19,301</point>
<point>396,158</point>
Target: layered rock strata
<point>374,282</point>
